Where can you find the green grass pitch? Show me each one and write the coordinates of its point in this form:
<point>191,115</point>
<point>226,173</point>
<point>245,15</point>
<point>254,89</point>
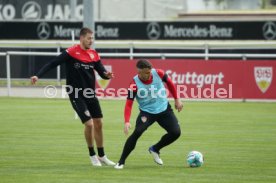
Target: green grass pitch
<point>41,142</point>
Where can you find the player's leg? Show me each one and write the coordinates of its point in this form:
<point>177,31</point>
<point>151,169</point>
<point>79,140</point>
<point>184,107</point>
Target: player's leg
<point>143,121</point>
<point>169,122</point>
<point>98,134</point>
<point>89,136</point>
<point>80,107</point>
<point>96,112</point>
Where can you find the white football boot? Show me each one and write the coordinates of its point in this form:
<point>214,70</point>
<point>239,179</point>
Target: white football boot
<point>119,166</point>
<point>95,161</point>
<point>106,161</point>
<point>155,156</point>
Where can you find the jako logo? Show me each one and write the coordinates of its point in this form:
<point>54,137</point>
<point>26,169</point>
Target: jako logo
<point>31,11</point>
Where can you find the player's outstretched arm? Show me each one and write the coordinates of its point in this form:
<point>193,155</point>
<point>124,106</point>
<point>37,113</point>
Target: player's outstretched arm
<point>34,79</point>
<point>127,114</point>
<point>109,75</point>
<point>178,104</point>
<point>102,71</point>
<point>127,127</point>
<point>132,91</point>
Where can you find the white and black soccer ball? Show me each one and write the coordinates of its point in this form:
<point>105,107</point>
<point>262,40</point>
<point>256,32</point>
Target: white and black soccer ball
<point>195,159</point>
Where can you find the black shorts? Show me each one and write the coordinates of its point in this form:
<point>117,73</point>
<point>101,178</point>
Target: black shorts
<point>165,119</point>
<point>86,108</point>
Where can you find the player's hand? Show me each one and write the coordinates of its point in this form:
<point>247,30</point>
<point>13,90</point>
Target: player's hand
<point>127,127</point>
<point>109,75</point>
<point>34,79</point>
<point>178,105</point>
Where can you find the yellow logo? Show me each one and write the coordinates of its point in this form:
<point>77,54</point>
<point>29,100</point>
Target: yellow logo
<point>103,83</point>
<point>263,77</point>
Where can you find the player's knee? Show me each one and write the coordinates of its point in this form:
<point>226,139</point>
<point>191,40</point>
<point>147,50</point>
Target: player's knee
<point>98,125</point>
<point>176,133</point>
<point>138,132</point>
<point>89,124</point>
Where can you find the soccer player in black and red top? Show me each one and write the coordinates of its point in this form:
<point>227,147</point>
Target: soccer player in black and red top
<point>148,89</point>
<point>81,61</point>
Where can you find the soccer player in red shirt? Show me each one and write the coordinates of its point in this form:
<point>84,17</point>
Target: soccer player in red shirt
<point>148,89</point>
<point>81,61</point>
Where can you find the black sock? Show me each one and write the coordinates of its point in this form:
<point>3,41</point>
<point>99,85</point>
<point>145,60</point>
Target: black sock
<point>91,151</point>
<point>100,151</point>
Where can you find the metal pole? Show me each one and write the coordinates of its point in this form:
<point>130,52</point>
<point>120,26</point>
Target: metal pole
<point>244,57</point>
<point>206,52</point>
<point>185,6</point>
<point>73,5</point>
<point>144,9</point>
<point>73,37</point>
<point>58,70</point>
<point>99,10</point>
<point>88,14</point>
<point>8,67</point>
<point>131,50</point>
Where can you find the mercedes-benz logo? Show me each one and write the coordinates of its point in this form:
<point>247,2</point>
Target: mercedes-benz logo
<point>43,30</point>
<point>77,65</point>
<point>31,10</point>
<point>153,30</point>
<point>269,30</point>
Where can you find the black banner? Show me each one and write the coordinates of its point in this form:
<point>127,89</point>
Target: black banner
<point>39,30</point>
<point>259,30</point>
<point>187,30</point>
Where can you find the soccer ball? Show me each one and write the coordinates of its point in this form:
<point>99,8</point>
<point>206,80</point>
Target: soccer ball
<point>195,159</point>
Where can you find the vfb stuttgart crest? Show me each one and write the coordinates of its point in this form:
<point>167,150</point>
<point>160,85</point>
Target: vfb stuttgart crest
<point>263,77</point>
<point>144,119</point>
<point>103,83</point>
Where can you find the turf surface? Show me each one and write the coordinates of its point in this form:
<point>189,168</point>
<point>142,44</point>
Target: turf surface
<point>40,141</point>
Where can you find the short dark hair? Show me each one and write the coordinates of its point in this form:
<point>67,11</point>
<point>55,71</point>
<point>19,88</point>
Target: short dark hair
<point>143,63</point>
<point>85,30</point>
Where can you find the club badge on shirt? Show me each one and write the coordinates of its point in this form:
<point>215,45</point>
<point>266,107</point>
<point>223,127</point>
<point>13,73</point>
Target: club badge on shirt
<point>144,119</point>
<point>91,56</point>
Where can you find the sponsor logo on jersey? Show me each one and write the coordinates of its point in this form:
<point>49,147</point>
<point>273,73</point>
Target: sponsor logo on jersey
<point>77,65</point>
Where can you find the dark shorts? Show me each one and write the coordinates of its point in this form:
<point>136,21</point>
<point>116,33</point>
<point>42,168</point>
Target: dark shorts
<point>165,119</point>
<point>86,108</point>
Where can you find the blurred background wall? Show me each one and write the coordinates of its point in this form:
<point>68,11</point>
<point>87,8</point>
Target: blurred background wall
<point>125,10</point>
